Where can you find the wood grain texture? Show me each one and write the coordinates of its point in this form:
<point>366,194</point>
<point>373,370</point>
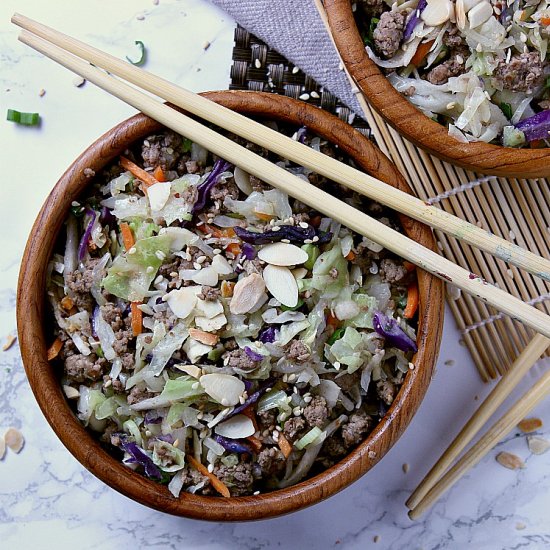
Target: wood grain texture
<point>410,122</point>
<point>32,320</point>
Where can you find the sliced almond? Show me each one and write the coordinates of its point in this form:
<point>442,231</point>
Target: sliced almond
<point>469,4</point>
<point>211,325</point>
<point>528,425</point>
<point>223,388</point>
<point>180,237</point>
<point>195,349</point>
<point>460,14</point>
<point>14,439</point>
<point>299,272</point>
<point>538,445</point>
<point>281,284</point>
<point>208,309</point>
<point>2,448</point>
<point>510,461</point>
<point>237,427</point>
<point>10,340</point>
<point>246,293</point>
<point>191,370</point>
<point>437,12</point>
<point>182,301</point>
<point>70,392</point>
<point>242,180</point>
<point>158,195</point>
<point>221,265</point>
<point>206,276</point>
<point>204,337</point>
<point>479,13</point>
<point>282,254</point>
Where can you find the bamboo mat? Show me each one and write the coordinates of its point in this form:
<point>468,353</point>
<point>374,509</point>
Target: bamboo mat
<point>516,209</point>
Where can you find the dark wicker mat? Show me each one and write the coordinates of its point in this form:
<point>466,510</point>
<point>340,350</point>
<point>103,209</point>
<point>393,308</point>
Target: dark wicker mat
<point>257,67</point>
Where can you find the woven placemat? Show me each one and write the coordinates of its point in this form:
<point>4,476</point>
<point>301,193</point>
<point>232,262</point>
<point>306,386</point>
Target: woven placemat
<point>518,210</point>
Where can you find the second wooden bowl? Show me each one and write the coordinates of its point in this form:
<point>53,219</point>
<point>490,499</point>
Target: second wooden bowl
<point>411,123</point>
<point>33,319</point>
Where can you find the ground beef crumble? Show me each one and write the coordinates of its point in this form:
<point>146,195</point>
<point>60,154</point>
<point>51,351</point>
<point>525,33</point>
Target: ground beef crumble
<point>389,33</point>
<point>521,74</point>
<point>316,412</point>
<point>238,478</point>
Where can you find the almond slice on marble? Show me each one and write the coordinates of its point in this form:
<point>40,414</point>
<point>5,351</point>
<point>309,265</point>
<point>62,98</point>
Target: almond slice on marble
<point>242,180</point>
<point>182,301</point>
<point>237,427</point>
<point>537,445</point>
<point>281,284</point>
<point>510,461</point>
<point>204,337</point>
<point>223,388</point>
<point>2,448</point>
<point>284,254</point>
<point>246,293</point>
<point>14,439</point>
<point>528,425</point>
<point>158,195</point>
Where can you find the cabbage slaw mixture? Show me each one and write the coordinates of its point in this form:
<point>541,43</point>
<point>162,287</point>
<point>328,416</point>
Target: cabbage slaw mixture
<point>478,66</point>
<point>224,338</point>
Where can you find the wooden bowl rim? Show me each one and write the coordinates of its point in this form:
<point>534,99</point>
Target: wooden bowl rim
<point>414,125</point>
<point>88,451</point>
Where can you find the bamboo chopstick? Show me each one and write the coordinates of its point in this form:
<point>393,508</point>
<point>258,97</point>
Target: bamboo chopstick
<point>526,403</point>
<point>501,391</point>
<point>297,152</point>
<point>297,188</point>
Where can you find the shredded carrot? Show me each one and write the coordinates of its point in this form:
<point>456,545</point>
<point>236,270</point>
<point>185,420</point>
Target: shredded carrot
<point>255,442</point>
<point>233,248</point>
<point>217,483</point>
<point>545,20</point>
<point>227,288</point>
<point>332,321</point>
<point>537,144</point>
<point>54,349</point>
<point>137,318</point>
<point>409,266</point>
<point>227,233</point>
<point>138,172</point>
<point>412,301</point>
<point>127,236</point>
<point>67,303</point>
<point>284,445</point>
<point>351,256</point>
<point>158,174</point>
<point>421,52</point>
<point>263,216</point>
<point>315,221</point>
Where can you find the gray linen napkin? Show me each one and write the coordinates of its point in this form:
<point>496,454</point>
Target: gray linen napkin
<point>295,29</point>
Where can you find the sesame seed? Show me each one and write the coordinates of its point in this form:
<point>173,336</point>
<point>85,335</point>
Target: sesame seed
<point>108,383</point>
<point>42,92</point>
<point>201,259</point>
<point>303,225</point>
<point>206,45</point>
<point>451,105</point>
<point>216,251</point>
<point>315,239</point>
<point>148,433</point>
<point>132,250</point>
<point>295,70</point>
<point>174,274</point>
<point>411,366</point>
<point>285,377</point>
<point>292,377</point>
<point>210,468</point>
<point>285,241</point>
<point>307,241</point>
<point>276,228</point>
<point>160,255</point>
<point>197,266</point>
<point>296,411</point>
<point>314,94</point>
<point>308,398</point>
<point>304,97</point>
<point>256,493</point>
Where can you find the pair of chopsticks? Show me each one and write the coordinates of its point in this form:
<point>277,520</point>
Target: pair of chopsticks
<point>444,474</point>
<point>79,57</point>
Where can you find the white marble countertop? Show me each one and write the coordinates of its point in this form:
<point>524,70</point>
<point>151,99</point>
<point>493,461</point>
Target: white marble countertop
<point>48,500</point>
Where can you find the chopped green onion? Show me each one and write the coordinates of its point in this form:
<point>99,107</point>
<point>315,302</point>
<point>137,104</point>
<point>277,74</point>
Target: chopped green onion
<point>297,306</point>
<point>313,436</point>
<point>143,54</point>
<point>312,255</point>
<point>186,145</point>
<point>506,108</point>
<point>77,210</point>
<point>25,119</point>
<point>336,335</point>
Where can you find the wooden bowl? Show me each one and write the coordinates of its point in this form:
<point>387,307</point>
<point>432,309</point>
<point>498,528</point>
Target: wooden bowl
<point>414,125</point>
<point>32,316</point>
